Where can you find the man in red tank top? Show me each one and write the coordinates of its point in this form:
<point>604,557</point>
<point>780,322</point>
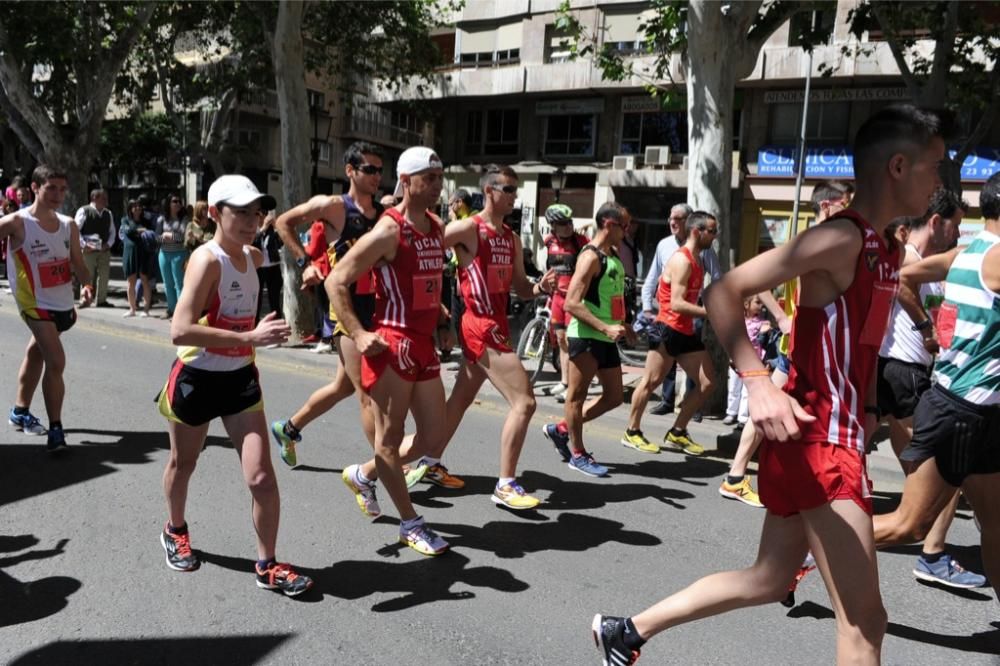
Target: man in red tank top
<point>400,367</point>
<point>812,465</point>
<point>489,263</point>
<point>673,336</point>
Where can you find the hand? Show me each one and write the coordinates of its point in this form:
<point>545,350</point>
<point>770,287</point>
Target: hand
<point>765,327</point>
<point>446,339</point>
<point>86,295</point>
<point>311,276</point>
<point>774,412</point>
<point>871,427</point>
<point>368,343</point>
<point>270,331</point>
<point>615,331</point>
<point>549,281</point>
<point>630,336</point>
<point>931,345</point>
<point>785,325</point>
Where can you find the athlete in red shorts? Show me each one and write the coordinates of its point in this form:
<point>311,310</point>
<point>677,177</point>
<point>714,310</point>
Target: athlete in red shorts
<point>815,488</point>
<point>489,262</point>
<point>562,247</point>
<point>400,368</point>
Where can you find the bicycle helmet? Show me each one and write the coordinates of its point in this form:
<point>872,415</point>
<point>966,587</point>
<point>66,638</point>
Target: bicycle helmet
<point>558,213</point>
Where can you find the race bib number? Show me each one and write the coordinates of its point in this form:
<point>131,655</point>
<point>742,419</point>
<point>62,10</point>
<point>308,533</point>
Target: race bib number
<point>237,324</point>
<point>54,273</point>
<point>426,292</point>
<point>883,296</point>
<point>365,284</point>
<point>498,279</point>
<point>946,319</point>
<point>618,308</point>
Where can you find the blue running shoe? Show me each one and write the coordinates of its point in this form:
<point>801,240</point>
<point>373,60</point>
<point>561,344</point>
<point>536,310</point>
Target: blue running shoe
<point>947,571</point>
<point>286,444</point>
<point>585,464</point>
<point>56,440</point>
<point>27,423</point>
<point>560,440</point>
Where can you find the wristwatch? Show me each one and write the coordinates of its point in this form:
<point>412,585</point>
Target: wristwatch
<point>301,262</point>
<point>922,326</point>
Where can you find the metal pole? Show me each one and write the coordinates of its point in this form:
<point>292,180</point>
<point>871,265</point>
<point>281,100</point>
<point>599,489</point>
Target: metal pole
<point>801,164</point>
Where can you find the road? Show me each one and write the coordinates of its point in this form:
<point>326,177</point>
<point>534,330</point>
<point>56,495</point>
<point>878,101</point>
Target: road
<point>82,577</point>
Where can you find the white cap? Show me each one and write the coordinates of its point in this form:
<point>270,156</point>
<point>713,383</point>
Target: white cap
<point>238,191</point>
<point>414,160</point>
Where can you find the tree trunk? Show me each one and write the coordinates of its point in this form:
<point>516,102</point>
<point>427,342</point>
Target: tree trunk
<point>287,55</point>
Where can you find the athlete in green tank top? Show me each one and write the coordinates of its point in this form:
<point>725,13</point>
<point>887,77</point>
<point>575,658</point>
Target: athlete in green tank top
<point>605,297</point>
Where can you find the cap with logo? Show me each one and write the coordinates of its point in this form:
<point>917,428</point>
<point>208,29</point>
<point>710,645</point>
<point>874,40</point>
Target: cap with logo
<point>414,160</point>
<point>238,191</point>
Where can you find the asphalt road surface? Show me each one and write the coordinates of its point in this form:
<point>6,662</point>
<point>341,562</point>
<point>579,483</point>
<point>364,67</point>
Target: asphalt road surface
<point>83,581</point>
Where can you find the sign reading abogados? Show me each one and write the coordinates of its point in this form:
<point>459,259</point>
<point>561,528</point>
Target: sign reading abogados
<point>838,162</point>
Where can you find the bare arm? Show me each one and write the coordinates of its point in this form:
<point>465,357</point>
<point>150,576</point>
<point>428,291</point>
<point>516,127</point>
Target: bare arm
<point>679,271</point>
<point>932,269</point>
<point>523,287</point>
<point>588,265</point>
<point>329,208</point>
<point>778,312</point>
<point>11,226</point>
<point>461,235</point>
<point>79,266</point>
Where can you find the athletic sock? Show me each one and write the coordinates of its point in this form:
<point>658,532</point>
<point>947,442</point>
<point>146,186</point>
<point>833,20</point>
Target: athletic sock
<point>177,530</point>
<point>678,431</point>
<point>630,432</point>
<point>734,480</point>
<point>360,479</point>
<point>430,462</point>
<point>407,525</point>
<point>931,559</point>
<point>631,637</point>
<point>504,480</point>
<point>562,427</point>
<point>55,425</point>
<point>291,430</point>
<point>20,411</point>
<point>264,565</point>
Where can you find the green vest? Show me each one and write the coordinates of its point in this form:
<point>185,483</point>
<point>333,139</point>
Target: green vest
<point>607,286</point>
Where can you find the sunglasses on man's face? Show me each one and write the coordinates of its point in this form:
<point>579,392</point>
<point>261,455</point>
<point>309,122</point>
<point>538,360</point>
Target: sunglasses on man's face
<point>369,169</point>
<point>507,189</point>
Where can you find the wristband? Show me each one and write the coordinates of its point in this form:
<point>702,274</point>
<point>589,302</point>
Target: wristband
<point>922,326</point>
<point>763,372</point>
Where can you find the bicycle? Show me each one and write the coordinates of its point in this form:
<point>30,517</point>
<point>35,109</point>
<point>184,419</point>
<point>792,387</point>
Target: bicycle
<point>635,353</point>
<point>537,342</point>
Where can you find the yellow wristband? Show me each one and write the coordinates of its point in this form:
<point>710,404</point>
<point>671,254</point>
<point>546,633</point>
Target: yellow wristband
<point>763,372</point>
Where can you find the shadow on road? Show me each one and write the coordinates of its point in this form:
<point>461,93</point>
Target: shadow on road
<point>26,601</point>
<point>180,650</point>
<point>414,583</point>
<point>675,467</point>
<point>28,470</point>
<point>985,642</point>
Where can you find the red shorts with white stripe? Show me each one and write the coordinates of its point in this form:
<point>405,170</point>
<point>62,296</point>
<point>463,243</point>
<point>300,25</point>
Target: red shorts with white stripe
<point>482,333</point>
<point>413,358</point>
<point>560,318</point>
<point>798,476</point>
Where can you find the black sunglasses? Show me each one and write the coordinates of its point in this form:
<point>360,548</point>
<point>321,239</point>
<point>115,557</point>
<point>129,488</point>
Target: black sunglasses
<point>507,189</point>
<point>369,169</point>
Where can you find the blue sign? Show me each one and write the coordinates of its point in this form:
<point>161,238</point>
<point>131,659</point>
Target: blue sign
<point>838,162</point>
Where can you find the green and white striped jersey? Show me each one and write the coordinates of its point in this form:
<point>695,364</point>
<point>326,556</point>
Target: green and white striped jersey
<point>970,366</point>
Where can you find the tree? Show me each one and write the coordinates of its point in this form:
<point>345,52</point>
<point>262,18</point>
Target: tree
<point>58,64</point>
<point>959,73</point>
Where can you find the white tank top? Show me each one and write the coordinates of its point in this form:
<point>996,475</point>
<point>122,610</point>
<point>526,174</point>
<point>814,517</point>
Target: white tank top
<point>233,308</point>
<point>40,271</point>
<point>901,342</point>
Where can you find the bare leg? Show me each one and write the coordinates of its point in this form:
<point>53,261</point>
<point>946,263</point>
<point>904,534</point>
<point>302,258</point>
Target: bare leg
<point>391,395</point>
<point>581,369</point>
<point>507,374</point>
<point>563,355</point>
<point>130,293</point>
<point>147,291</point>
<point>658,362</point>
<point>323,399</point>
<point>981,491</point>
<point>30,374</point>
<point>925,494</point>
<point>249,434</point>
<point>44,355</point>
<point>698,364</point>
<point>185,447</point>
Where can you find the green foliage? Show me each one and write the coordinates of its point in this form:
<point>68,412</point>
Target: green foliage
<point>141,142</point>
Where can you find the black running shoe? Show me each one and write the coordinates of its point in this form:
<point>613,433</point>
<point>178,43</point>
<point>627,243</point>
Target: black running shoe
<point>56,440</point>
<point>180,557</point>
<point>281,576</point>
<point>608,637</point>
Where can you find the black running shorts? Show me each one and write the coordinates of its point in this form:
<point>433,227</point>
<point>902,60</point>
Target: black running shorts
<point>900,385</point>
<point>962,437</point>
<point>677,344</point>
<point>195,397</point>
<point>605,352</point>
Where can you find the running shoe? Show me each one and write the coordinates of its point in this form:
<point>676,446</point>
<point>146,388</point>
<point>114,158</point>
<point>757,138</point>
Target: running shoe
<point>741,492</point>
<point>947,571</point>
<point>27,423</point>
<point>513,496</point>
<point>683,442</point>
<point>414,474</point>
<point>729,420</point>
<point>364,494</point>
<point>286,444</point>
<point>180,557</point>
<point>807,565</point>
<point>559,439</point>
<point>56,440</point>
<point>438,475</point>
<point>423,539</point>
<point>639,442</point>
<point>281,576</point>
<point>585,464</point>
<point>609,638</point>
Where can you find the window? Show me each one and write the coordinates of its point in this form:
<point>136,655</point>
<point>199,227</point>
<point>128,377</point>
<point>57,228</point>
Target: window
<point>557,45</point>
<point>827,123</point>
<point>492,132</point>
<point>804,28</point>
<point>508,57</point>
<point>316,99</point>
<point>445,45</point>
<point>653,128</point>
<point>621,33</point>
<point>570,136</point>
<point>246,138</point>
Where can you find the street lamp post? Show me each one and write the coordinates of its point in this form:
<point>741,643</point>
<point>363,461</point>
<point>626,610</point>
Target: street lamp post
<point>325,124</point>
<point>558,181</point>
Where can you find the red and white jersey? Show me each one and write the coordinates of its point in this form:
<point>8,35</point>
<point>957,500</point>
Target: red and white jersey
<point>408,298</point>
<point>485,282</point>
<point>681,323</point>
<point>39,270</point>
<point>834,349</point>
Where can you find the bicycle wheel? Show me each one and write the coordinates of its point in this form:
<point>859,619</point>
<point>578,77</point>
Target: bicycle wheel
<point>533,347</point>
<point>635,354</point>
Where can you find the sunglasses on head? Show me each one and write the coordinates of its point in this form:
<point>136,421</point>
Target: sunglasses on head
<point>369,169</point>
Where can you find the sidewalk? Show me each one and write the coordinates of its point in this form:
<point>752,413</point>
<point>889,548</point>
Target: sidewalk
<point>719,440</point>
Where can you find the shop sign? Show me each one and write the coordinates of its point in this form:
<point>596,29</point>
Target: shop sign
<point>569,107</point>
<point>822,95</point>
<point>838,162</point>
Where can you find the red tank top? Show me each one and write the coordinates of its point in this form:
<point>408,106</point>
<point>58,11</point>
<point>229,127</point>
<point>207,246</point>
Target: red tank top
<point>834,349</point>
<point>409,288</point>
<point>681,323</point>
<point>485,282</point>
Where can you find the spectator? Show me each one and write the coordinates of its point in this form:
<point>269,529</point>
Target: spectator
<point>170,228</point>
<point>10,194</point>
<point>97,235</point>
<point>269,273</point>
<point>138,256</point>
<point>203,228</point>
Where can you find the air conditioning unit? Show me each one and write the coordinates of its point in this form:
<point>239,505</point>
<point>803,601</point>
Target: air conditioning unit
<point>657,155</point>
<point>623,162</point>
